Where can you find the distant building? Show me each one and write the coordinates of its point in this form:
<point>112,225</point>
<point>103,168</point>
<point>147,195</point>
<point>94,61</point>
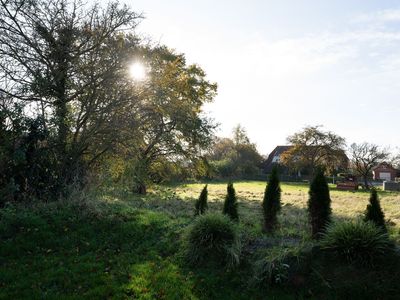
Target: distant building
<point>274,158</point>
<point>384,171</point>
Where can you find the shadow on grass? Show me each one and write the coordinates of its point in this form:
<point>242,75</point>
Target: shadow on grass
<point>130,247</point>
<point>64,252</point>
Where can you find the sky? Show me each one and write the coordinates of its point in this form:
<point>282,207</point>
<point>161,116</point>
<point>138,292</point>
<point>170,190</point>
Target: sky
<point>282,65</point>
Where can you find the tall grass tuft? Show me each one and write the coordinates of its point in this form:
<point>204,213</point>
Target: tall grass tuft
<point>357,242</point>
<point>213,239</point>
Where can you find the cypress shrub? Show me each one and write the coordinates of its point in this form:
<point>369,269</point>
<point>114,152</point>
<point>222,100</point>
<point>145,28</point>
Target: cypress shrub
<point>272,201</point>
<point>319,204</point>
<point>201,204</point>
<point>230,204</point>
<point>374,211</point>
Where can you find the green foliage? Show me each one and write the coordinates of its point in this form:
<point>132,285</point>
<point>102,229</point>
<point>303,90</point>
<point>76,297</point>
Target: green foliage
<point>374,211</point>
<point>273,269</point>
<point>230,204</point>
<point>319,204</point>
<point>272,201</point>
<point>168,123</point>
<point>128,246</point>
<point>213,239</point>
<point>201,204</point>
<point>28,165</point>
<point>314,148</point>
<point>235,157</point>
<point>75,250</point>
<point>159,119</point>
<point>356,242</point>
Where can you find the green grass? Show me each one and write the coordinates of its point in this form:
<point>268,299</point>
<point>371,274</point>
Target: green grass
<point>121,246</point>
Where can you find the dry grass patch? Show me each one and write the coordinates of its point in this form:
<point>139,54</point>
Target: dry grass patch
<point>293,218</point>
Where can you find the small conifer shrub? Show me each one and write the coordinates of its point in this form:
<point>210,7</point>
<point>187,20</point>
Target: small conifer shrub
<point>319,204</point>
<point>230,204</point>
<point>374,211</point>
<point>201,204</point>
<point>272,201</point>
<point>213,239</point>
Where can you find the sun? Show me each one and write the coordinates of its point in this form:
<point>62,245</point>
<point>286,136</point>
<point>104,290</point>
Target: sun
<point>137,71</point>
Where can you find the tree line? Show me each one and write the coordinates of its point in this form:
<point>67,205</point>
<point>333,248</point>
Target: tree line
<point>313,149</point>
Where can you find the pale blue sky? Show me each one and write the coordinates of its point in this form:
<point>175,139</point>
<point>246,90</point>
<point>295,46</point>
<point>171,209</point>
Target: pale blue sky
<point>281,65</point>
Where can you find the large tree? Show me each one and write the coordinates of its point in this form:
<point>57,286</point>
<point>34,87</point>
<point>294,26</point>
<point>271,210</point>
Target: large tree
<point>364,157</point>
<point>63,61</point>
<point>314,148</point>
<point>169,118</point>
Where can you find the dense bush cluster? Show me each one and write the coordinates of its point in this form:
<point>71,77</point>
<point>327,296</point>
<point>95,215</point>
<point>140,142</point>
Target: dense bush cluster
<point>28,164</point>
<point>234,158</point>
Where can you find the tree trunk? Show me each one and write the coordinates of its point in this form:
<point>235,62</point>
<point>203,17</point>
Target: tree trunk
<point>366,182</point>
<point>140,188</point>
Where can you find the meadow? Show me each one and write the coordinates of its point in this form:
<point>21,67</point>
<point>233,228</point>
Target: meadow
<point>112,244</point>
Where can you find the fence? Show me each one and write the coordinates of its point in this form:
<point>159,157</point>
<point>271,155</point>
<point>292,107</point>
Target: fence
<point>391,186</point>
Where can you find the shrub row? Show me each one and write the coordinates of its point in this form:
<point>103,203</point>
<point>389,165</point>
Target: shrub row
<point>214,237</point>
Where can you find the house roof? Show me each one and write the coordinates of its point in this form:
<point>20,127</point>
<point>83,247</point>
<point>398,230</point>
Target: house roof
<point>384,165</point>
<point>276,152</point>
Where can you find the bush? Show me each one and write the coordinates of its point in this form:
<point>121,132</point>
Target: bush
<point>230,204</point>
<point>319,204</point>
<point>272,201</point>
<point>201,204</point>
<point>357,242</point>
<point>273,270</point>
<point>374,212</point>
<point>213,239</point>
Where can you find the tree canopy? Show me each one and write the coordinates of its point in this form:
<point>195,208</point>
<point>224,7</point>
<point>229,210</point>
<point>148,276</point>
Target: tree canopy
<point>314,148</point>
<point>64,67</point>
<point>364,157</point>
<point>236,157</point>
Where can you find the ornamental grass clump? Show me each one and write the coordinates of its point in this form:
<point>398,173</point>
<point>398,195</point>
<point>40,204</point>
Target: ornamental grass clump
<point>213,239</point>
<point>357,242</point>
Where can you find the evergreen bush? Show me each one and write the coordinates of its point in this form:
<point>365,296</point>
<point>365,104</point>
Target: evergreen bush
<point>272,201</point>
<point>230,204</point>
<point>201,204</point>
<point>319,204</point>
<point>374,211</point>
<point>213,239</point>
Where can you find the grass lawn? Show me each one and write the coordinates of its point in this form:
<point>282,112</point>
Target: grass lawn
<point>121,246</point>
